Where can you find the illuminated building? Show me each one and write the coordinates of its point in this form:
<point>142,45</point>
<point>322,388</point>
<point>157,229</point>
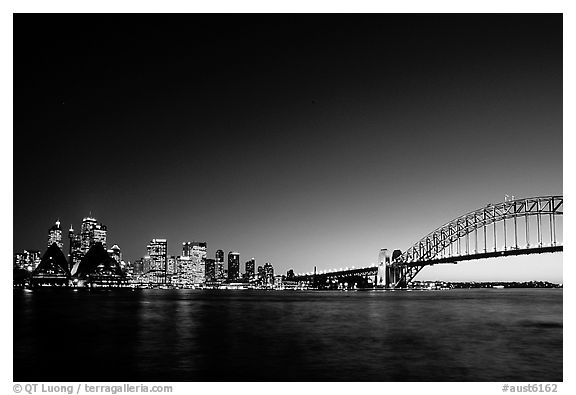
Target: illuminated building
<point>115,253</point>
<point>184,272</point>
<point>55,235</point>
<point>199,262</point>
<point>268,274</point>
<point>75,255</point>
<point>27,259</point>
<point>219,266</point>
<point>91,232</point>
<point>19,261</point>
<point>157,251</point>
<point>233,266</point>
<point>172,265</point>
<point>187,248</point>
<point>250,269</point>
<point>210,269</point>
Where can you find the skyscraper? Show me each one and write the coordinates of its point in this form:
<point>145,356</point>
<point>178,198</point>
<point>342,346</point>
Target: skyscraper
<point>75,254</point>
<point>91,232</point>
<point>172,265</point>
<point>187,248</point>
<point>157,251</point>
<point>55,235</point>
<point>250,269</point>
<point>184,271</point>
<point>219,266</point>
<point>199,262</point>
<point>194,266</point>
<point>233,266</point>
<point>269,274</point>
<point>210,269</point>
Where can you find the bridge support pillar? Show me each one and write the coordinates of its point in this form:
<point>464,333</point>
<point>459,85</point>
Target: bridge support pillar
<point>394,275</point>
<point>389,274</point>
<point>383,262</point>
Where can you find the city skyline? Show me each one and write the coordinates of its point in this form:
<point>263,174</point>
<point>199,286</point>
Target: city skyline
<point>310,145</point>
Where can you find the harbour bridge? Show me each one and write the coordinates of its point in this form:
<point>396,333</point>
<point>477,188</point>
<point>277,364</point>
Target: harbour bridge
<point>510,228</point>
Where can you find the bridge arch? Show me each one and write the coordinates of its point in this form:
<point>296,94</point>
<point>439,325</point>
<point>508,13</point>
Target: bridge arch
<point>445,241</point>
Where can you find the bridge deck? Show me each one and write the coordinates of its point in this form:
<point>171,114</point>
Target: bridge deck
<point>484,255</point>
<point>454,259</point>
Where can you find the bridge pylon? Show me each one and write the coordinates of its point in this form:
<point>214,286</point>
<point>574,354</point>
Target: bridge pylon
<point>390,274</point>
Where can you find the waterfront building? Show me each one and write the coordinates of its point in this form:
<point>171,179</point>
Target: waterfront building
<point>210,270</point>
<point>172,265</point>
<point>249,269</point>
<point>184,272</point>
<point>27,259</point>
<point>19,261</point>
<point>199,262</point>
<point>157,252</point>
<point>279,281</point>
<point>290,275</point>
<point>98,268</point>
<point>268,274</point>
<point>55,235</point>
<point>52,269</point>
<point>233,266</point>
<point>219,266</point>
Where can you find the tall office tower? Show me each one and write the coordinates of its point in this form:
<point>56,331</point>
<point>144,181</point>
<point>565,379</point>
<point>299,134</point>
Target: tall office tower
<point>269,274</point>
<point>250,269</point>
<point>172,265</point>
<point>199,261</point>
<point>219,266</point>
<point>157,251</point>
<point>115,253</point>
<point>187,248</point>
<point>260,276</point>
<point>290,274</point>
<point>75,254</point>
<point>210,269</point>
<point>233,266</point>
<point>185,271</point>
<point>55,235</point>
<point>147,264</point>
<point>91,232</point>
<point>99,234</point>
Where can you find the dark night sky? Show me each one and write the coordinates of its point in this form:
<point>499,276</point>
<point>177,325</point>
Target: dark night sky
<point>299,140</point>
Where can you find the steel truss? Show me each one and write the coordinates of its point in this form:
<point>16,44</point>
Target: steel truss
<point>451,241</point>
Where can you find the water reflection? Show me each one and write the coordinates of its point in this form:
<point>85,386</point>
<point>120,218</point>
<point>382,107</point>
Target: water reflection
<point>189,335</point>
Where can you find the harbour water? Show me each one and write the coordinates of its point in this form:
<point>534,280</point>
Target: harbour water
<point>201,335</point>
